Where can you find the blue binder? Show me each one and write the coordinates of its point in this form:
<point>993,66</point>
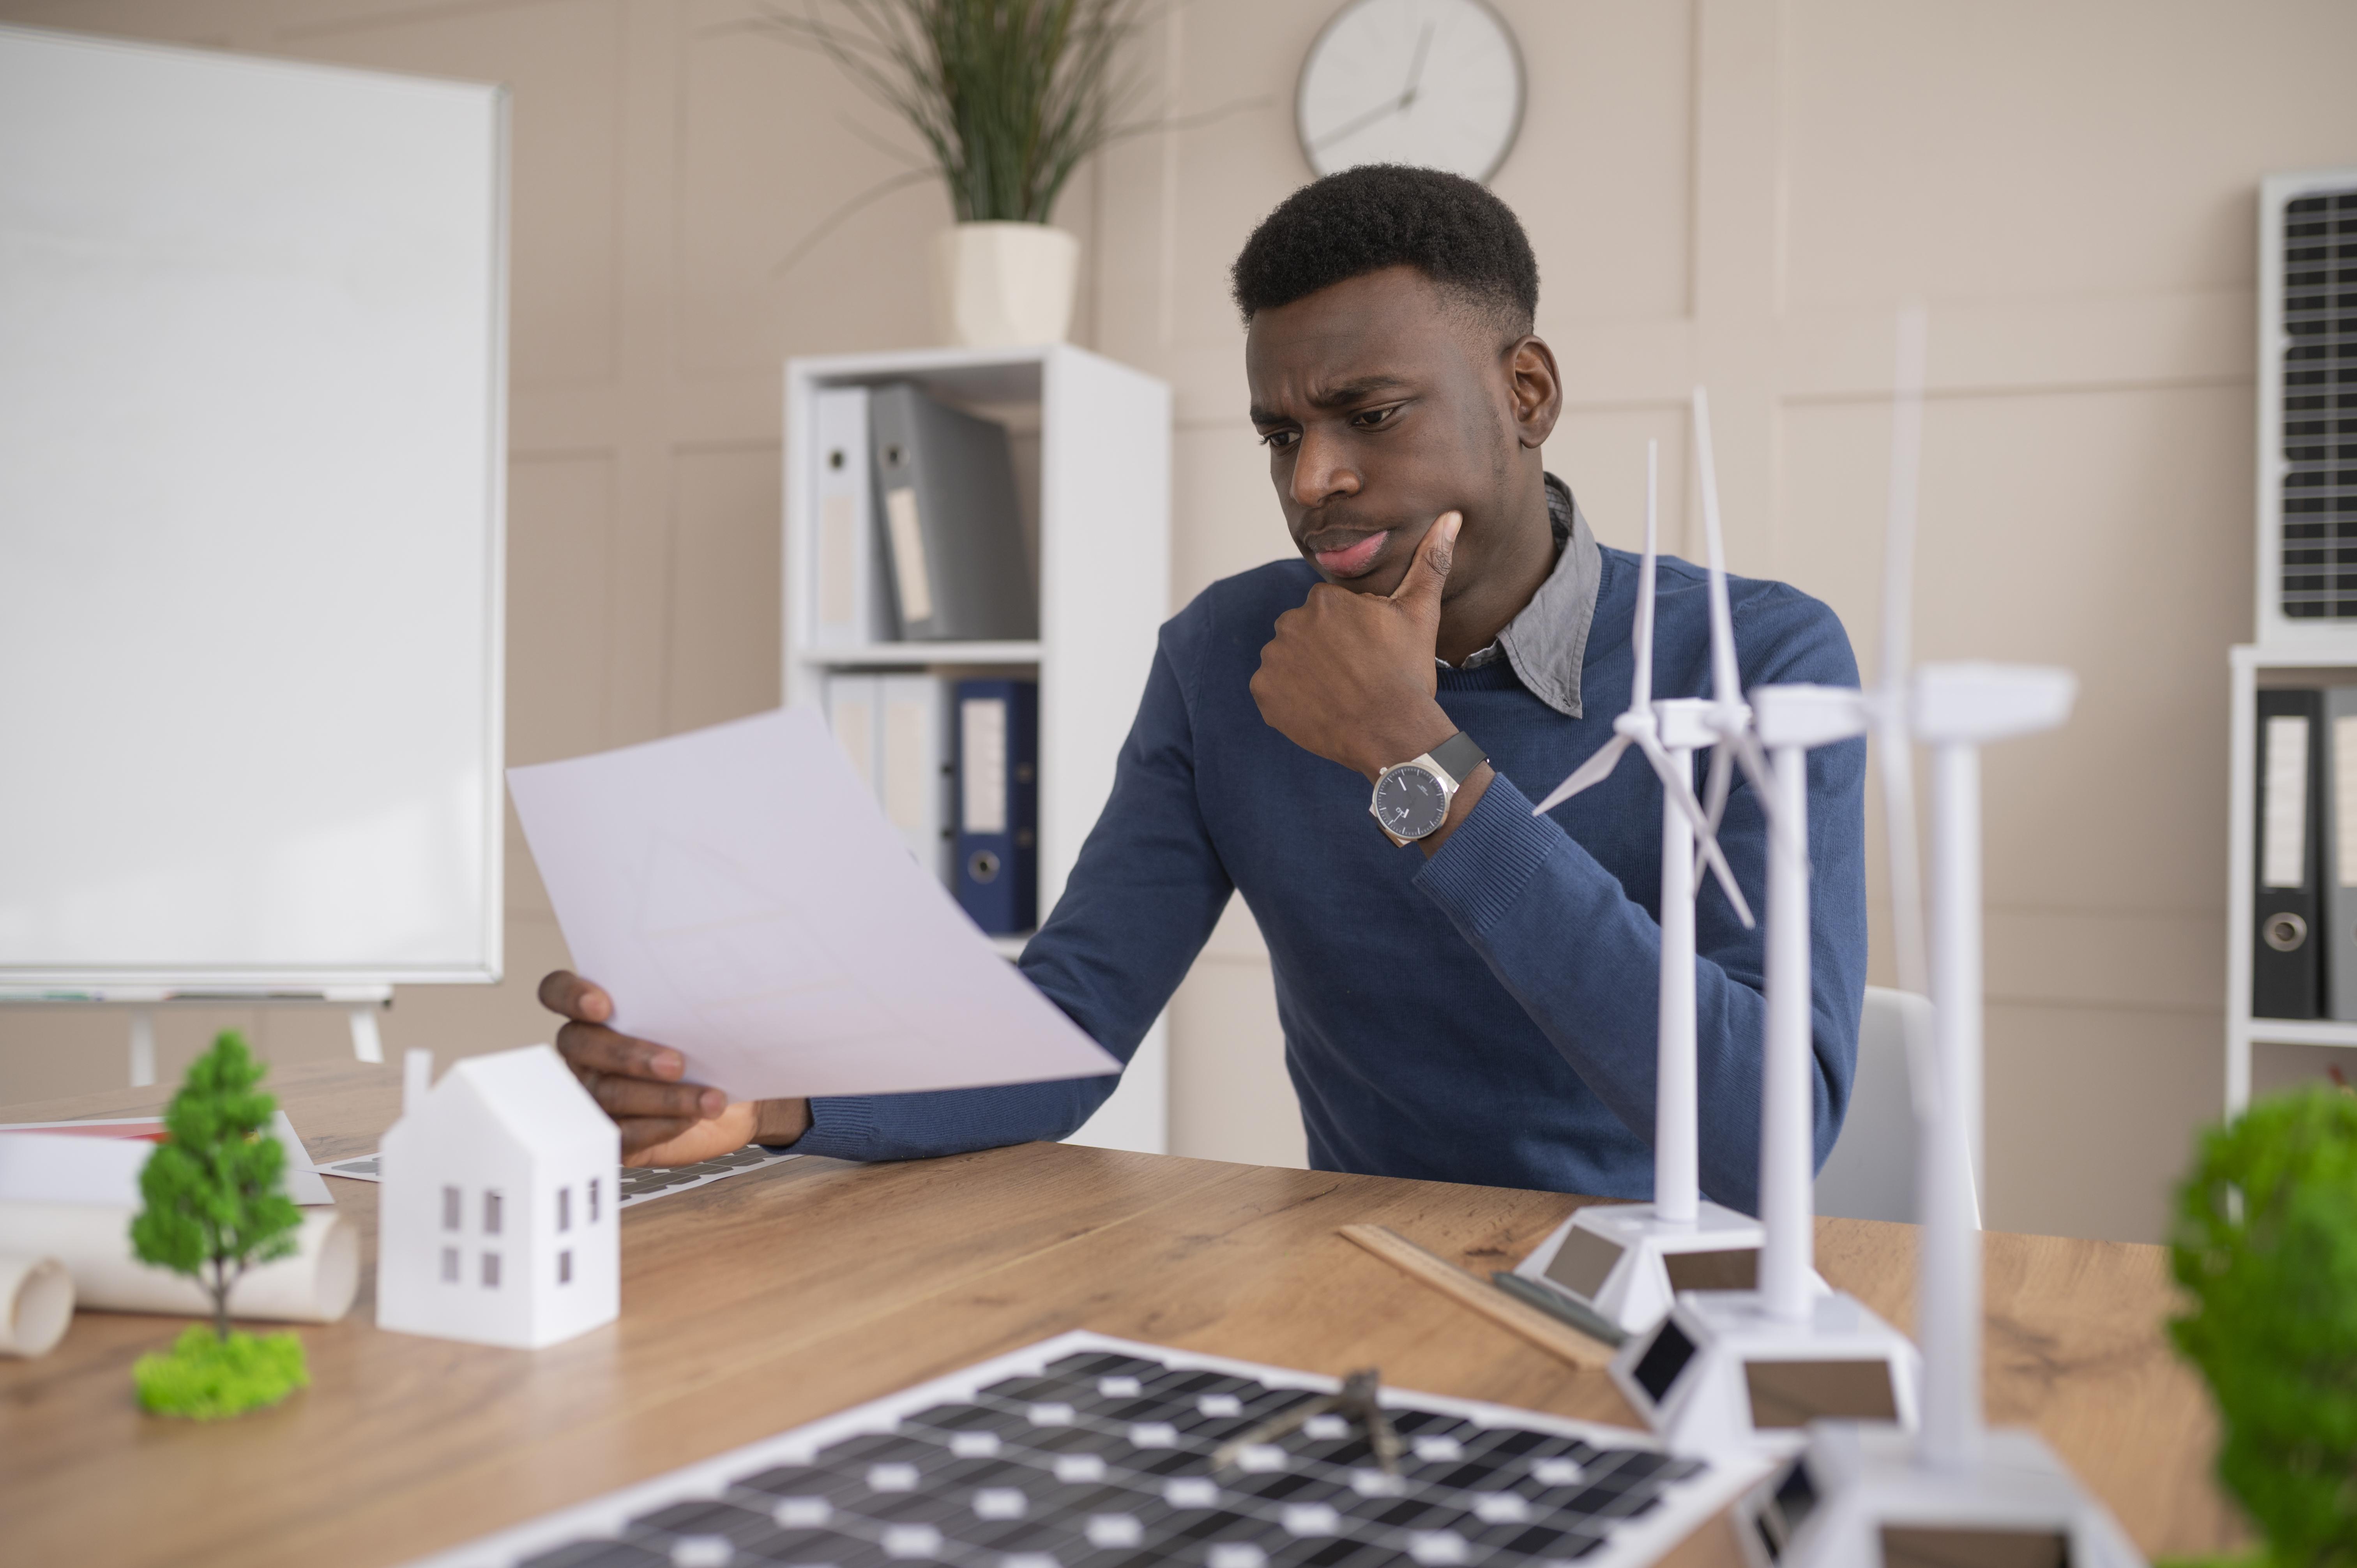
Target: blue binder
<point>998,804</point>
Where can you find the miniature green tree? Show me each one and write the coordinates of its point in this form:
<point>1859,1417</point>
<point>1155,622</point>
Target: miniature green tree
<point>215,1207</point>
<point>2267,1248</point>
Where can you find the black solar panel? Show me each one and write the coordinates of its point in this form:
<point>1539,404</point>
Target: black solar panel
<point>1088,1453</point>
<point>2320,407</point>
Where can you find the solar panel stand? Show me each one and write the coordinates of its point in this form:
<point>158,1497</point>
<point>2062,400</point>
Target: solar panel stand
<point>1865,1500</point>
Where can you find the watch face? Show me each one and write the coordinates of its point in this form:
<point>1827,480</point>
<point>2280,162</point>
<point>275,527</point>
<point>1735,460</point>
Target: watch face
<point>1411,802</point>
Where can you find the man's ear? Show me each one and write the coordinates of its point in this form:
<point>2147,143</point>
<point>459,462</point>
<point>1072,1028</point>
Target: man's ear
<point>1536,388</point>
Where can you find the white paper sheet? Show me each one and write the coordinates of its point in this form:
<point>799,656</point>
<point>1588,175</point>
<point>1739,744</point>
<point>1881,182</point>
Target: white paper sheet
<point>739,896</point>
<point>45,1172</point>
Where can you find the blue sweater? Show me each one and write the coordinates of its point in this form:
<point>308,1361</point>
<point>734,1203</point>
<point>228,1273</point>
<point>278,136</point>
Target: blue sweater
<point>1487,1016</point>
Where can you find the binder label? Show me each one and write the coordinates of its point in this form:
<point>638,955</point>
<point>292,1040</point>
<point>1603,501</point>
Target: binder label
<point>909,770</point>
<point>838,581</point>
<point>2284,819</point>
<point>909,554</point>
<point>2344,789</point>
<point>982,726</point>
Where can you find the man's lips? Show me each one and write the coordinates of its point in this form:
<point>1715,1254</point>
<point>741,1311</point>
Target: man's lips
<point>1353,559</point>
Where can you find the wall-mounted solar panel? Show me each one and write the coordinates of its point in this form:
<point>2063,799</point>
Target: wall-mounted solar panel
<point>2308,406</point>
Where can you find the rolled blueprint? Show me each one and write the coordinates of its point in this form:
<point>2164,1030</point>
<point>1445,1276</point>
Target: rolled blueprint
<point>37,1302</point>
<point>315,1284</point>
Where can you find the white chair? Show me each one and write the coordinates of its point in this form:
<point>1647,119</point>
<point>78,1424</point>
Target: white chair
<point>1871,1173</point>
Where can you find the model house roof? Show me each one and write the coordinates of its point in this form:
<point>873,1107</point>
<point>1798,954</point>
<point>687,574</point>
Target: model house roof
<point>532,1094</point>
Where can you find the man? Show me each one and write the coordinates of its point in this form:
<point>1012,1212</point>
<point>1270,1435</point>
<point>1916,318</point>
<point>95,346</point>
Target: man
<point>1475,1004</point>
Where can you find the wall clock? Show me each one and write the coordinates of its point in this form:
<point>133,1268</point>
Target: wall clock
<point>1432,82</point>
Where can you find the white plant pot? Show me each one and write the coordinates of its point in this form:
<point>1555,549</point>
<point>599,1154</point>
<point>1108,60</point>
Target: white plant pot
<point>997,286</point>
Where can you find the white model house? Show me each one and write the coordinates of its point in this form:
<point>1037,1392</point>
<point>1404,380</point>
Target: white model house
<point>496,1216</point>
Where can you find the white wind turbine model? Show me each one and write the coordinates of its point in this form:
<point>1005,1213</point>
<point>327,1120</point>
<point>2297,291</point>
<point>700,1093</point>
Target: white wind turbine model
<point>1626,1261</point>
<point>1873,1497</point>
<point>1733,1369</point>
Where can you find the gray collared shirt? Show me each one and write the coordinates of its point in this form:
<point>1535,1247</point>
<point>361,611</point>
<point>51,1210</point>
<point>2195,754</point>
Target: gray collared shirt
<point>1547,640</point>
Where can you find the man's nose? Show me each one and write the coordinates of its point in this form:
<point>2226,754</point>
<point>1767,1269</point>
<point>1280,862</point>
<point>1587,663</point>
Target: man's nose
<point>1321,471</point>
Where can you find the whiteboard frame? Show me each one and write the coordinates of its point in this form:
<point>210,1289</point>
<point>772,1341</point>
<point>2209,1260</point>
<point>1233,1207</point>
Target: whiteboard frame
<point>20,983</point>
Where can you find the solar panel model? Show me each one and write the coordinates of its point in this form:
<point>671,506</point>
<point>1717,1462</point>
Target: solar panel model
<point>1088,1452</point>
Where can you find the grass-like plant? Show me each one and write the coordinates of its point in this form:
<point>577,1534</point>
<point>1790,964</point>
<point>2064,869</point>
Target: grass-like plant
<point>214,1205</point>
<point>207,1377</point>
<point>1009,96</point>
<point>2265,1247</point>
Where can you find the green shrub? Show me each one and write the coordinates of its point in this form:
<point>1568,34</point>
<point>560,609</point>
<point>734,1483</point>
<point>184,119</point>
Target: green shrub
<point>206,1376</point>
<point>2265,1246</point>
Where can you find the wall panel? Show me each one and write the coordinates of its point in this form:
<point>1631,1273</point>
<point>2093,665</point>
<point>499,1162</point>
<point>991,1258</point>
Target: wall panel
<point>562,60</point>
<point>724,585</point>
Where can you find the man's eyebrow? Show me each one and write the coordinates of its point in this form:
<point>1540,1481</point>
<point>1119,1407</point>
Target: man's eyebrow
<point>1337,395</point>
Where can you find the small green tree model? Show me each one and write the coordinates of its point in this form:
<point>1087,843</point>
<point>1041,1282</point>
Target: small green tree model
<point>2266,1247</point>
<point>215,1207</point>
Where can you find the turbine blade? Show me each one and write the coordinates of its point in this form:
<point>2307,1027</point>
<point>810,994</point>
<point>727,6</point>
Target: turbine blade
<point>1722,778</point>
<point>1591,772</point>
<point>1726,682</point>
<point>1641,686</point>
<point>1906,471</point>
<point>1894,755</point>
<point>1755,768</point>
<point>1894,747</point>
<point>1681,793</point>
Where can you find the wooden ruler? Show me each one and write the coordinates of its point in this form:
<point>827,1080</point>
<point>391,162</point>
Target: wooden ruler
<point>1466,1290</point>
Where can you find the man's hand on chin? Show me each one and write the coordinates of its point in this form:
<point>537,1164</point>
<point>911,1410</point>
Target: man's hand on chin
<point>663,1121</point>
<point>1351,676</point>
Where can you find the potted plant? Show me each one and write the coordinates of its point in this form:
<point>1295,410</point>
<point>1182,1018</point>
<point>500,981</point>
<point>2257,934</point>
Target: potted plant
<point>1009,97</point>
<point>2265,1247</point>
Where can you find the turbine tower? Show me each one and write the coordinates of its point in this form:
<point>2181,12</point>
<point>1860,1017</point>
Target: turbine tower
<point>1729,1370</point>
<point>1624,1262</point>
<point>1864,1496</point>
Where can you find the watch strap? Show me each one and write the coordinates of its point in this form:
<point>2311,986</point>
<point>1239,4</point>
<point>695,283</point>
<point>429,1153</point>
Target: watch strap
<point>1459,755</point>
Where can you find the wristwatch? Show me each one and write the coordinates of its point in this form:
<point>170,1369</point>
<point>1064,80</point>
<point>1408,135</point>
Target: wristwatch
<point>1412,798</point>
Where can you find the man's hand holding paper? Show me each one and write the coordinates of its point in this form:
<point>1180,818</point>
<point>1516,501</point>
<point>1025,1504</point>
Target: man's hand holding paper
<point>759,935</point>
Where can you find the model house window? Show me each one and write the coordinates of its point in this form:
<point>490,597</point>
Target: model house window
<point>449,1265</point>
<point>449,1209</point>
<point>564,1209</point>
<point>593,1200</point>
<point>490,1218</point>
<point>565,1267</point>
<point>491,1270</point>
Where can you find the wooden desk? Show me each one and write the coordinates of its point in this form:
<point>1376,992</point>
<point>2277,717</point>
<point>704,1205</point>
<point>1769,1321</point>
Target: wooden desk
<point>767,1300</point>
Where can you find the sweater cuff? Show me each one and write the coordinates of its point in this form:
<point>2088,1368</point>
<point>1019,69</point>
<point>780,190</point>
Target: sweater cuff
<point>1480,873</point>
<point>842,1127</point>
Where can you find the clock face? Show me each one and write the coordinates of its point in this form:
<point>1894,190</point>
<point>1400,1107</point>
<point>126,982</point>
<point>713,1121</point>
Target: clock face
<point>1432,82</point>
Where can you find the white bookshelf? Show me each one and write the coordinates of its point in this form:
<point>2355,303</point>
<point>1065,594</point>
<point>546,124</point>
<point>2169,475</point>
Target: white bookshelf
<point>1092,464</point>
<point>2306,636</point>
<point>2313,662</point>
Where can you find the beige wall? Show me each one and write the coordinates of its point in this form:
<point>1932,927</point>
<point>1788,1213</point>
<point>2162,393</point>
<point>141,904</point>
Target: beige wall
<point>1729,190</point>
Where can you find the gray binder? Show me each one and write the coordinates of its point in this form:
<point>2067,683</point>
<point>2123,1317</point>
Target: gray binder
<point>953,533</point>
<point>2339,834</point>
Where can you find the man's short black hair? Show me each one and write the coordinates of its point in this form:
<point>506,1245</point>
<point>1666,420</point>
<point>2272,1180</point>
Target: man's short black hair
<point>1362,219</point>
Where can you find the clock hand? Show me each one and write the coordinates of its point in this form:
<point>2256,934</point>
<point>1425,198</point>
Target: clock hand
<point>1396,106</point>
<point>1352,128</point>
<point>1415,69</point>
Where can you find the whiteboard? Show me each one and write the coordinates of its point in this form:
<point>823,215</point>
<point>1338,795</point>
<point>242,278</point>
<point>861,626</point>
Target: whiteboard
<point>253,404</point>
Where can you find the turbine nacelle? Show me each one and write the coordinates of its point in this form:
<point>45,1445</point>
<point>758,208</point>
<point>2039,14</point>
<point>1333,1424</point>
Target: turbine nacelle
<point>1683,723</point>
<point>1972,704</point>
<point>1808,717</point>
